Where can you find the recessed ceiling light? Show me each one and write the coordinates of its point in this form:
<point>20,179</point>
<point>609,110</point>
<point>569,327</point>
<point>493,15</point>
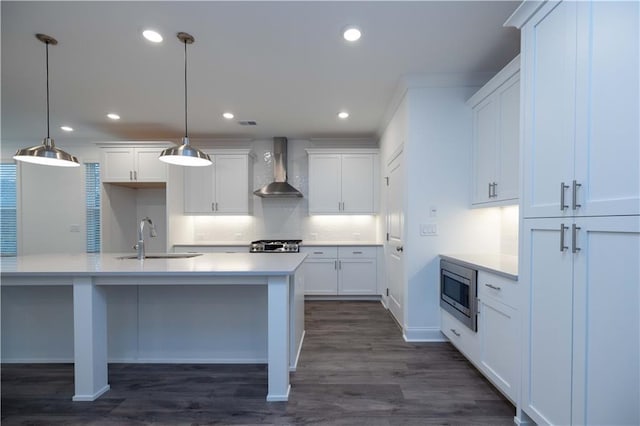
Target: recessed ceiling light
<point>152,35</point>
<point>343,115</point>
<point>67,128</point>
<point>113,116</point>
<point>351,34</point>
<point>228,115</point>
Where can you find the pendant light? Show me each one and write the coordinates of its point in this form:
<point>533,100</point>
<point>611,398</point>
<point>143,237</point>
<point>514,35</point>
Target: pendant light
<point>185,154</point>
<point>47,154</point>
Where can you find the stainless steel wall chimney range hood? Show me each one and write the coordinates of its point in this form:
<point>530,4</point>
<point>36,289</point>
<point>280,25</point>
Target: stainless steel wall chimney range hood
<point>280,188</point>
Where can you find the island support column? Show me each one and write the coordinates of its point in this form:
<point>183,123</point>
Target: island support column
<point>89,339</point>
<point>278,338</point>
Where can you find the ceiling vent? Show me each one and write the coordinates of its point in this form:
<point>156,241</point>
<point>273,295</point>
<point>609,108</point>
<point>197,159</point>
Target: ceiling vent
<point>248,123</point>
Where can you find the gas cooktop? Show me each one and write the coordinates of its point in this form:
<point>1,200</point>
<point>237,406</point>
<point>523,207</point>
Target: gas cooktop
<point>275,246</point>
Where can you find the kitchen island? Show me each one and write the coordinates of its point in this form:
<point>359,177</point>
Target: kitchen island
<point>90,274</point>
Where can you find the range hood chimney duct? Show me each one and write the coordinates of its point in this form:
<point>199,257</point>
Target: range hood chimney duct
<point>280,188</point>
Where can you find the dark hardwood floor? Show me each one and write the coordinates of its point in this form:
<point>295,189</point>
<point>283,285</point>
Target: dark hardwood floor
<point>355,369</point>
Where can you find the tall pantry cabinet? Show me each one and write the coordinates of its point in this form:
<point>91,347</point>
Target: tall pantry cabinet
<point>580,206</point>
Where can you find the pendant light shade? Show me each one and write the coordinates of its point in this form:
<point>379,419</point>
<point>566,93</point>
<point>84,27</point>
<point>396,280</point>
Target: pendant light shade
<point>46,154</point>
<point>185,154</point>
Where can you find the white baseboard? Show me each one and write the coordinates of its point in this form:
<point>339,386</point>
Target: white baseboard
<point>89,398</point>
<point>423,334</point>
<point>37,361</point>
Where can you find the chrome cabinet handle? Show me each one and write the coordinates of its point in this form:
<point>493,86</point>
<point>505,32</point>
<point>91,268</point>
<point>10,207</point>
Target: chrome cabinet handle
<point>574,198</point>
<point>490,189</point>
<point>562,204</point>
<point>135,175</point>
<point>574,238</point>
<point>335,265</point>
<point>455,332</point>
<point>357,252</point>
<point>216,206</point>
<point>493,287</point>
<point>339,264</point>
<point>495,189</point>
<point>562,229</point>
<point>130,175</point>
<point>318,252</point>
<point>213,209</point>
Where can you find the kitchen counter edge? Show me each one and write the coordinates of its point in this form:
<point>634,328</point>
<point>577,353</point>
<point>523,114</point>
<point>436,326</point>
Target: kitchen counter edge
<point>499,264</point>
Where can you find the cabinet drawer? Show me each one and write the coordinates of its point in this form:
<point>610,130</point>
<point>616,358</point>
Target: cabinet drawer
<point>357,251</point>
<point>499,288</point>
<point>462,337</point>
<point>321,251</point>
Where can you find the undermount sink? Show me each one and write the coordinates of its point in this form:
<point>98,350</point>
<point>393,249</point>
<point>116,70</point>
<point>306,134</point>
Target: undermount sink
<point>163,256</point>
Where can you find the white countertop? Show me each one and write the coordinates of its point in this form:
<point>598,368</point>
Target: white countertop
<point>500,264</point>
<point>314,243</point>
<point>108,264</point>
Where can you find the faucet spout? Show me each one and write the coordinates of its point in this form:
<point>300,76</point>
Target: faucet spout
<point>152,233</point>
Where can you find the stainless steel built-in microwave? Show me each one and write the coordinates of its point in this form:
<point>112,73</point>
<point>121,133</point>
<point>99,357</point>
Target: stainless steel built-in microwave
<point>458,292</point>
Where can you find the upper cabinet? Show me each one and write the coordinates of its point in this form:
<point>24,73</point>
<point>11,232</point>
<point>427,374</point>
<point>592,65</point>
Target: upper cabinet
<point>343,181</point>
<point>496,118</point>
<point>132,165</point>
<point>222,188</point>
<point>581,107</point>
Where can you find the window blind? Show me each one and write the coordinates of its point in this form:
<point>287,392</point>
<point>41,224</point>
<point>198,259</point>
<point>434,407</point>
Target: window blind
<point>92,190</point>
<point>8,217</point>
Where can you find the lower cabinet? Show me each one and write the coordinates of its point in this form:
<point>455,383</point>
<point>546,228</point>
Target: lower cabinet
<point>495,348</point>
<point>344,270</point>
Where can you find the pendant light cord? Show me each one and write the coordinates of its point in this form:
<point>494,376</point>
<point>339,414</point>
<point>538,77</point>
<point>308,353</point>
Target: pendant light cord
<point>186,132</point>
<point>47,67</point>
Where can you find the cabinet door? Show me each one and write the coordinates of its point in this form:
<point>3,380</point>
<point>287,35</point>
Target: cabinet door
<point>117,164</point>
<point>547,280</point>
<point>548,76</point>
<point>321,277</point>
<point>148,168</point>
<point>232,184</point>
<point>198,189</point>
<point>484,150</point>
<point>357,276</point>
<point>607,140</point>
<point>357,183</point>
<point>500,345</point>
<point>507,179</point>
<point>606,366</point>
<point>324,183</point>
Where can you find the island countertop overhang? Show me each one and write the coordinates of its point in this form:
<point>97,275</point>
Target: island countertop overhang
<point>109,265</point>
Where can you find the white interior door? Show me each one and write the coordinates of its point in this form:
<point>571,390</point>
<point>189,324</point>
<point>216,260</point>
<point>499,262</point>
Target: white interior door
<point>395,240</point>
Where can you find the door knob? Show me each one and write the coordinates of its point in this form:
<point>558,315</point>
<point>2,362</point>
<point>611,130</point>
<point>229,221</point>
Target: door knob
<point>400,248</point>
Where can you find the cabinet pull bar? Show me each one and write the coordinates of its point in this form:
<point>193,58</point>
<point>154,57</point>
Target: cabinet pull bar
<point>562,204</point>
<point>130,175</point>
<point>453,330</point>
<point>493,287</point>
<point>135,175</point>
<point>574,198</point>
<point>335,265</point>
<point>357,252</point>
<point>489,189</point>
<point>216,206</point>
<point>574,238</point>
<point>562,229</point>
<point>213,209</point>
<point>495,189</point>
<point>318,252</point>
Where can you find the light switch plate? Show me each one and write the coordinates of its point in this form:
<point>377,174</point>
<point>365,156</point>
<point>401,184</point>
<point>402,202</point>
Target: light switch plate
<point>428,229</point>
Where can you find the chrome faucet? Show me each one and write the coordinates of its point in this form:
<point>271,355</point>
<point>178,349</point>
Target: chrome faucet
<point>152,233</point>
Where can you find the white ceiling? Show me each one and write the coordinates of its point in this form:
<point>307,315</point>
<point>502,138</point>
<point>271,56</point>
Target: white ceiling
<point>283,64</point>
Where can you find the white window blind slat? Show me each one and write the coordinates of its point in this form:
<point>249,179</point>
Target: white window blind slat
<point>92,191</point>
<point>8,217</point>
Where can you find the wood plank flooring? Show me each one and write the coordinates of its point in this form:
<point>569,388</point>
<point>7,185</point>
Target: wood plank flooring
<point>355,369</point>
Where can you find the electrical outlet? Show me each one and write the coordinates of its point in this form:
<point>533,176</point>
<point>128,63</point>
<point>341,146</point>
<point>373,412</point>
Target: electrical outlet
<point>433,211</point>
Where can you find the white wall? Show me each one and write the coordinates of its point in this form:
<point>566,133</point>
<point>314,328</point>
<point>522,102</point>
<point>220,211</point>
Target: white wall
<point>435,126</point>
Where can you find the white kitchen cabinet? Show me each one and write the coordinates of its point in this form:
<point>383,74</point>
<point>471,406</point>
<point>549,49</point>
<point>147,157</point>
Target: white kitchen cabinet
<point>126,164</point>
<point>343,181</point>
<point>222,188</point>
<point>581,109</point>
<point>496,138</point>
<point>461,336</point>
<point>495,347</point>
<point>499,332</point>
<point>341,271</point>
<point>582,338</point>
